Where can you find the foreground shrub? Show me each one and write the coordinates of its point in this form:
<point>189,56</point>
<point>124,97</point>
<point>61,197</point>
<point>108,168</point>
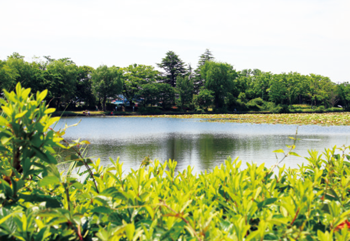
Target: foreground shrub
<point>154,202</point>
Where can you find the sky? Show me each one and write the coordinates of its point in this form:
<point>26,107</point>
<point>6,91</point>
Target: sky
<point>305,36</point>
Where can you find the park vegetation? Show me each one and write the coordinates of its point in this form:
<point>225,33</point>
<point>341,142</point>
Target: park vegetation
<point>88,201</point>
<point>212,85</point>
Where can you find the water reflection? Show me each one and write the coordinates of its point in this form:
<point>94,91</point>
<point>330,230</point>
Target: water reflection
<point>202,145</point>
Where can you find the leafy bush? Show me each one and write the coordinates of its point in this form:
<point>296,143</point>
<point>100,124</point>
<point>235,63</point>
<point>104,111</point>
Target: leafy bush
<point>334,109</point>
<point>255,104</point>
<point>320,108</point>
<point>154,202</point>
<point>270,106</point>
<point>301,107</point>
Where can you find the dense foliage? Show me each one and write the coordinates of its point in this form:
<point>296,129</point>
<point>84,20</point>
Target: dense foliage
<point>212,85</point>
<point>154,202</point>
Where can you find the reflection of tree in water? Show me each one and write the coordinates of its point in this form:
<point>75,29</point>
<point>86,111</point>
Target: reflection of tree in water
<point>201,151</point>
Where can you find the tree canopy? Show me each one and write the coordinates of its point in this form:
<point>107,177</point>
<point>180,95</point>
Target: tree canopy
<point>135,77</point>
<point>107,82</point>
<point>73,86</point>
<point>173,67</point>
<point>218,78</point>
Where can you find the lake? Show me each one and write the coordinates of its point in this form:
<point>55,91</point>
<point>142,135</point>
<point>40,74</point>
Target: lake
<point>203,145</point>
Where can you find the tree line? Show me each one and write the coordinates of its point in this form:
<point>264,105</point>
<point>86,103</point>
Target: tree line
<point>211,84</point>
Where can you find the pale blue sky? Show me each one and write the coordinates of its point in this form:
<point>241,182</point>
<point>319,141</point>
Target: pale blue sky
<point>306,36</point>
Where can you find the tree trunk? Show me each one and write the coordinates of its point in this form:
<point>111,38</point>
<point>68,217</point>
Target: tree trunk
<point>58,104</point>
<point>217,99</point>
<point>104,103</point>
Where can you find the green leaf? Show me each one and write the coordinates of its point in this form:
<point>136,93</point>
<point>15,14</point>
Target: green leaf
<point>25,93</point>
<point>53,180</point>
<point>294,154</point>
<point>279,151</point>
<point>266,202</point>
<point>130,230</point>
<point>42,96</point>
<point>19,89</point>
<point>3,121</point>
<point>8,226</point>
<point>6,110</point>
<point>175,231</point>
<point>51,201</point>
<point>50,110</point>
<point>5,139</point>
<point>20,115</point>
<point>8,216</point>
<point>43,156</point>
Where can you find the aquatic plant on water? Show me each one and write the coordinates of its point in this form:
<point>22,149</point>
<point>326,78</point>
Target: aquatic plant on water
<point>325,119</point>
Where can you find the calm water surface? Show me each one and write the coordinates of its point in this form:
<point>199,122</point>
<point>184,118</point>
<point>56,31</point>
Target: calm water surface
<point>203,145</point>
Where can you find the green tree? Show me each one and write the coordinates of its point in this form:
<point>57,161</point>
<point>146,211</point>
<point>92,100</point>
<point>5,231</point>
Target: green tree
<point>61,77</point>
<point>107,82</point>
<point>84,92</point>
<point>204,99</point>
<point>184,87</point>
<point>219,79</point>
<point>135,76</point>
<point>206,56</point>
<point>278,90</point>
<point>8,76</point>
<point>198,81</point>
<point>149,93</point>
<point>319,87</point>
<point>173,67</point>
<point>343,91</point>
<point>166,94</point>
<point>158,93</point>
<point>262,83</point>
<point>28,74</point>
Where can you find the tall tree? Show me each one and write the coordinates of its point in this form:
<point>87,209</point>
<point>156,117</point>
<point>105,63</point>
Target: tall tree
<point>135,76</point>
<point>28,74</point>
<point>198,81</point>
<point>318,88</point>
<point>107,82</point>
<point>84,92</point>
<point>261,84</point>
<point>219,79</point>
<point>173,67</point>
<point>278,92</point>
<point>61,78</point>
<point>206,56</point>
